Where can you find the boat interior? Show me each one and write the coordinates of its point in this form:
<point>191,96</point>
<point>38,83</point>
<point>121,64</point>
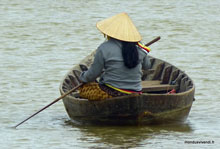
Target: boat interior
<point>161,78</point>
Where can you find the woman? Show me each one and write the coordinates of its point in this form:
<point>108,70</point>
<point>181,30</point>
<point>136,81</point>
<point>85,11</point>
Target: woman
<point>118,61</point>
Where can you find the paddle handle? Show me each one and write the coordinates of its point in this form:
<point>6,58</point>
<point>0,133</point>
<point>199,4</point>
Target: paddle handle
<point>75,88</point>
<point>153,41</point>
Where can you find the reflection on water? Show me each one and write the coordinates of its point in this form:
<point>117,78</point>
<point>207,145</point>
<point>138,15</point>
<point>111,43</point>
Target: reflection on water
<point>126,136</point>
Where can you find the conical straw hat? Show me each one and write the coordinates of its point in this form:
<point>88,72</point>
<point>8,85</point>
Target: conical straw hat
<point>119,27</point>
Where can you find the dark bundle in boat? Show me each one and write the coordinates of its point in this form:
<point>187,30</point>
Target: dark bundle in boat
<point>168,94</point>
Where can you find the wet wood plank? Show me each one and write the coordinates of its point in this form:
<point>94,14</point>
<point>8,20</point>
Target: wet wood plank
<point>183,84</point>
<point>166,75</point>
<point>151,86</point>
<point>152,60</point>
<point>74,81</point>
<point>77,74</point>
<point>158,71</point>
<point>161,87</point>
<point>150,83</point>
<point>174,75</point>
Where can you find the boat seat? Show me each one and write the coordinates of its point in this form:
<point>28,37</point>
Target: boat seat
<point>156,86</point>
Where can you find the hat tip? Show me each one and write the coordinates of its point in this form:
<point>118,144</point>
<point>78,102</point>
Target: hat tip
<point>125,13</point>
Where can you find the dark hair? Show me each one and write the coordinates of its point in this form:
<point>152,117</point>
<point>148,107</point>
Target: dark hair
<point>130,54</point>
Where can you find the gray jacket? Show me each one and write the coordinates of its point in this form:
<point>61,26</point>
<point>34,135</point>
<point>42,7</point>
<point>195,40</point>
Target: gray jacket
<point>109,58</point>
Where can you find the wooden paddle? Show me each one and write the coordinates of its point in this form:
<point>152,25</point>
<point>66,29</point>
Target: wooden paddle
<point>64,95</point>
<point>72,90</point>
<point>153,41</point>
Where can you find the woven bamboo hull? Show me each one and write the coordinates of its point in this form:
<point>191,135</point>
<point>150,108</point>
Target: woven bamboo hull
<point>154,107</point>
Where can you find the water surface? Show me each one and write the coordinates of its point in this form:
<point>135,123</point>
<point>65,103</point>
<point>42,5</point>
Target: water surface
<point>41,40</point>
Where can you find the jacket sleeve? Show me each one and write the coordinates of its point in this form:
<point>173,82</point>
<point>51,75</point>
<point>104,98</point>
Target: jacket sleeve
<point>146,64</point>
<point>95,70</point>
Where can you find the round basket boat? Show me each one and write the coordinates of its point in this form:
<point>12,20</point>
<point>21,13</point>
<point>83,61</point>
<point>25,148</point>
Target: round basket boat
<point>157,104</point>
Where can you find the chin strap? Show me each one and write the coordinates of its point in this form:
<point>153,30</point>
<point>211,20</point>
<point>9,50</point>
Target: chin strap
<point>143,47</point>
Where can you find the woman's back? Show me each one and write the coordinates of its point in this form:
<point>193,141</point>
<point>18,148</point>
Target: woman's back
<point>115,71</point>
